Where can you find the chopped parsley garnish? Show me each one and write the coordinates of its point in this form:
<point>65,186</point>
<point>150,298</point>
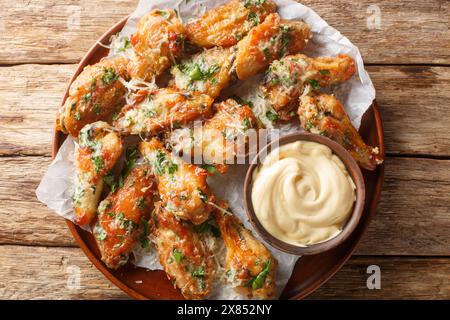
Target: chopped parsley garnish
<point>246,124</point>
<point>78,116</point>
<point>72,106</point>
<point>272,116</point>
<point>109,75</point>
<point>324,72</point>
<point>242,102</point>
<point>267,53</point>
<point>199,71</point>
<point>141,204</point>
<point>98,163</point>
<point>285,39</point>
<point>203,196</point>
<point>210,168</point>
<point>110,182</point>
<point>162,165</point>
<point>101,234</point>
<point>177,255</point>
<point>314,84</point>
<point>144,237</point>
<point>86,98</point>
<point>198,272</point>
<point>250,3</point>
<point>309,125</point>
<point>208,226</point>
<point>258,281</point>
<point>97,108</point>
<point>253,18</point>
<point>126,45</point>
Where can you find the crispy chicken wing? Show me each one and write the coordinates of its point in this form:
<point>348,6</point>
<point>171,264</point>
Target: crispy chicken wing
<point>208,72</point>
<point>94,95</point>
<point>286,78</point>
<point>251,268</point>
<point>324,114</point>
<point>157,42</point>
<point>269,41</point>
<point>182,186</point>
<point>220,138</point>
<point>123,216</point>
<point>224,26</point>
<point>162,109</point>
<point>185,259</point>
<point>97,152</point>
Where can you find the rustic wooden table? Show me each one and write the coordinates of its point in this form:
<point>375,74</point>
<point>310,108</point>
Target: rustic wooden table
<point>407,52</point>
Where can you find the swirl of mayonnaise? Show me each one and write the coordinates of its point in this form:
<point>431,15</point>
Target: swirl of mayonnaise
<point>302,193</point>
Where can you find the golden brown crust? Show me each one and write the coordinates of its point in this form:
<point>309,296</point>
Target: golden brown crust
<point>185,259</point>
<point>123,216</point>
<point>157,43</point>
<point>324,114</point>
<point>224,26</point>
<point>94,95</point>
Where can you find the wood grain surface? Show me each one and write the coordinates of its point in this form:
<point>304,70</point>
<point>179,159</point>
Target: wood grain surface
<point>408,59</point>
<point>48,32</point>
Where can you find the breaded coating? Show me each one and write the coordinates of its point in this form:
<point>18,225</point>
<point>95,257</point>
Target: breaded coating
<point>156,44</point>
<point>123,216</point>
<point>96,154</point>
<point>185,259</point>
<point>324,114</point>
<point>94,95</point>
<point>226,25</point>
<point>182,187</point>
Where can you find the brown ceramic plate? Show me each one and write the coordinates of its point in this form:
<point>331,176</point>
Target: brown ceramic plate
<point>309,273</point>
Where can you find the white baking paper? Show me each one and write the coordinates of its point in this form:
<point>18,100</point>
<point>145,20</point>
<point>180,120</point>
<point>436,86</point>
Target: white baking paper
<point>55,189</point>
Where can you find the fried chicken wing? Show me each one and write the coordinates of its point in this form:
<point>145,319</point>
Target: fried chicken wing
<point>220,138</point>
<point>123,216</point>
<point>97,152</point>
<point>251,268</point>
<point>224,26</point>
<point>162,109</point>
<point>286,78</point>
<point>185,259</point>
<point>94,95</point>
<point>325,115</point>
<point>182,186</point>
<point>157,43</point>
<point>208,72</point>
<point>269,41</point>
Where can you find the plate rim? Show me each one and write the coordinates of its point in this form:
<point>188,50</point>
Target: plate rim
<point>59,137</point>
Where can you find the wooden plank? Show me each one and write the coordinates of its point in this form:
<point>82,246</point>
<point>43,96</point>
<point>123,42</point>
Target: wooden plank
<point>401,278</point>
<point>412,218</point>
<point>30,95</point>
<point>49,273</point>
<point>413,32</point>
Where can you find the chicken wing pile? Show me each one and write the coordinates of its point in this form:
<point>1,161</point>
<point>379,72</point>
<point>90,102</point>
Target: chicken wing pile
<point>152,194</point>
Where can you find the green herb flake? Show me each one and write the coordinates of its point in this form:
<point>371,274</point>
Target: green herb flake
<point>210,168</point>
<point>165,14</point>
<point>258,281</point>
<point>98,163</point>
<point>77,116</point>
<point>101,234</point>
<point>202,195</point>
<point>109,76</point>
<point>198,272</point>
<point>246,124</point>
<point>177,255</point>
<point>144,237</point>
<point>325,72</point>
<point>272,116</point>
<point>309,125</point>
<point>253,18</point>
<point>314,84</point>
<point>126,45</point>
<point>97,108</point>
